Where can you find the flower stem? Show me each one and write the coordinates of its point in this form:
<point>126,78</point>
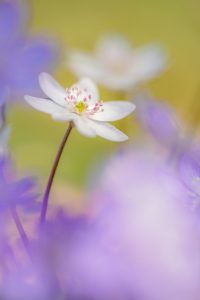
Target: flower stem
<point>52,174</point>
<point>20,228</point>
<point>3,115</point>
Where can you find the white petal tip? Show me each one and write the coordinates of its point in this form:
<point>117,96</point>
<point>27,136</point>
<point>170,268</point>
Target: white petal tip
<point>88,82</point>
<point>43,76</point>
<point>27,98</point>
<point>122,139</point>
<point>116,136</point>
<point>86,79</point>
<point>132,106</point>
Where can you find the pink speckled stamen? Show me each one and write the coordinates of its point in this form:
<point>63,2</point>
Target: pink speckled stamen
<point>81,101</point>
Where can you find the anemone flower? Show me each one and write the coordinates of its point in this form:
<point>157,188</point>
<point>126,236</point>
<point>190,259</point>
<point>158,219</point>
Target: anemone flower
<point>81,104</point>
<point>116,64</point>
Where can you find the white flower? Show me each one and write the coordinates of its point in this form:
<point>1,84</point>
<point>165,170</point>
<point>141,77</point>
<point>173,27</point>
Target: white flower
<point>116,65</point>
<point>80,104</point>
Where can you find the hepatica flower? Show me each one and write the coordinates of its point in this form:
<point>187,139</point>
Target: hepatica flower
<point>149,226</point>
<point>13,191</point>
<point>22,58</point>
<point>116,64</point>
<point>158,119</point>
<point>189,170</point>
<point>81,105</point>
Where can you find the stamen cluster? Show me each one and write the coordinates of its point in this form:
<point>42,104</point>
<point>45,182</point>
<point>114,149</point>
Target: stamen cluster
<point>81,101</point>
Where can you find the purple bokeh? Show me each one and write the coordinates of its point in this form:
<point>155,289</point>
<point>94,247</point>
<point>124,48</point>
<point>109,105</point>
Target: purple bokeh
<point>15,192</point>
<point>158,119</point>
<point>22,57</point>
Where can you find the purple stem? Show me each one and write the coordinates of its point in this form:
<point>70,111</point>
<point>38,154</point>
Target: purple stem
<point>20,228</point>
<point>52,174</point>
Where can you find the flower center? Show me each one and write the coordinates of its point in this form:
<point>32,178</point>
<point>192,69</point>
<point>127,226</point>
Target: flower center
<point>81,107</point>
<point>80,101</point>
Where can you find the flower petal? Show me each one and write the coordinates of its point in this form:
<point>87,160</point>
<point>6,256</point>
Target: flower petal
<point>148,62</point>
<point>83,64</point>
<point>52,88</point>
<point>107,131</point>
<point>44,105</point>
<point>119,82</point>
<point>113,47</point>
<point>91,87</point>
<point>84,128</point>
<point>64,116</point>
<point>113,111</point>
<point>189,169</point>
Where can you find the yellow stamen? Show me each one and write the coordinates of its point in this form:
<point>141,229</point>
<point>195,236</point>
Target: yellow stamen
<point>81,106</point>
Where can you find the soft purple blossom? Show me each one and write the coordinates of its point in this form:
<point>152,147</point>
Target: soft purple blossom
<point>22,58</point>
<point>146,219</point>
<point>189,168</point>
<point>138,240</point>
<point>26,281</point>
<point>159,119</point>
<point>13,191</point>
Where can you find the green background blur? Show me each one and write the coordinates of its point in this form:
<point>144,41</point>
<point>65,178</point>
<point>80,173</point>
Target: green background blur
<point>78,24</point>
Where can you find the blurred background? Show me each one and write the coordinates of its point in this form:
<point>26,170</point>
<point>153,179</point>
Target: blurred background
<point>78,25</point>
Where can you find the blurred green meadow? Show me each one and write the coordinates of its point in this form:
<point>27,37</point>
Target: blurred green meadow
<point>175,24</point>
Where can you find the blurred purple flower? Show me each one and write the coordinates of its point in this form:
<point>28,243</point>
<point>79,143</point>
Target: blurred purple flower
<point>137,241</point>
<point>145,218</point>
<point>158,119</point>
<point>76,250</point>
<point>22,58</point>
<point>140,241</point>
<point>15,192</point>
<point>189,168</point>
<point>26,281</point>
